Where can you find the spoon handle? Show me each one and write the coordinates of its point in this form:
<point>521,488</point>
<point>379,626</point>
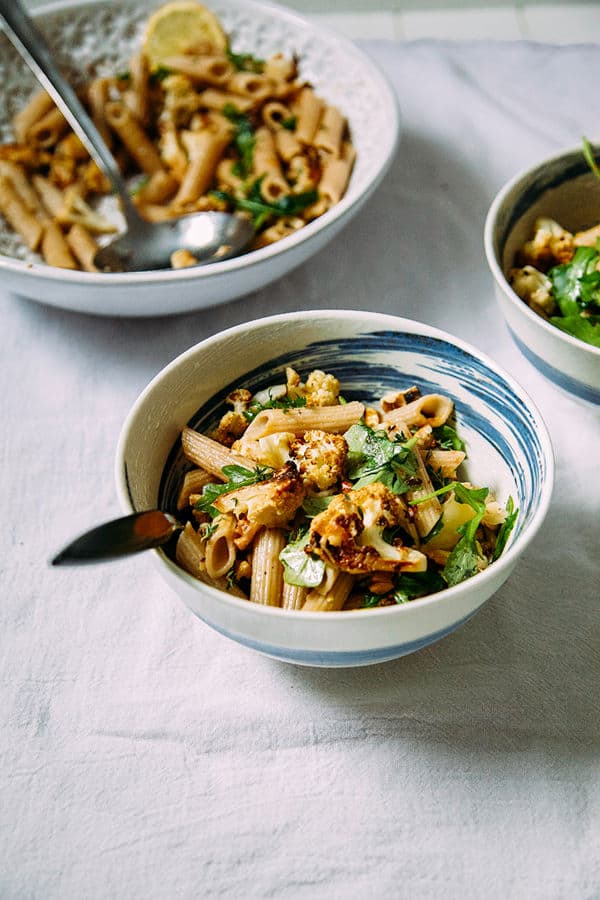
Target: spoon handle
<point>34,50</point>
<point>121,537</point>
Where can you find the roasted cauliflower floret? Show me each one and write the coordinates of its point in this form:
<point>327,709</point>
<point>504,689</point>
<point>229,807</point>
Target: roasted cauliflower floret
<point>534,288</point>
<point>551,244</point>
<point>321,388</point>
<point>349,533</point>
<point>234,423</point>
<point>320,458</point>
<point>271,503</point>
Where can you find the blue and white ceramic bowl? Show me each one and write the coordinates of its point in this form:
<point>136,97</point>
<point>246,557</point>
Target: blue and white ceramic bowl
<point>508,446</point>
<point>563,188</point>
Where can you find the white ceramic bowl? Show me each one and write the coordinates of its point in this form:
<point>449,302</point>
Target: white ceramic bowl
<point>508,446</point>
<point>563,188</point>
<point>99,36</point>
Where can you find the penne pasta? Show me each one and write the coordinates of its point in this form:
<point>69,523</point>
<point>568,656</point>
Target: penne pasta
<point>266,584</point>
<point>36,108</point>
<point>83,246</point>
<point>338,514</point>
<point>55,249</point>
<point>18,216</point>
<point>135,139</point>
<point>309,111</point>
<point>208,454</point>
<point>327,418</point>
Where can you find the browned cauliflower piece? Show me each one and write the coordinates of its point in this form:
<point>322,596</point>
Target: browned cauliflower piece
<point>321,388</point>
<point>551,244</point>
<point>534,288</point>
<point>349,533</point>
<point>320,458</point>
<point>234,423</point>
<point>271,503</point>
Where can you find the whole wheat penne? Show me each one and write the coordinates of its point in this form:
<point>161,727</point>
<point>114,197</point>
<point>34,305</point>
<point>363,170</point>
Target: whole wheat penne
<point>35,109</point>
<point>213,98</point>
<point>83,246</point>
<point>72,146</point>
<point>287,144</point>
<point>446,462</point>
<point>48,130</point>
<point>309,110</point>
<point>293,596</point>
<point>205,149</point>
<point>138,98</point>
<point>335,419</point>
<point>336,175</point>
<point>135,139</point>
<point>22,185</point>
<point>426,514</point>
<point>220,548</point>
<point>266,583</point>
<point>97,96</point>
<point>159,188</point>
<point>247,84</point>
<point>301,174</point>
<point>52,198</point>
<point>280,229</point>
<point>190,554</point>
<point>18,216</point>
<point>333,598</point>
<point>209,454</point>
<point>329,134</point>
<point>275,113</point>
<point>213,70</point>
<point>266,166</point>
<point>55,249</point>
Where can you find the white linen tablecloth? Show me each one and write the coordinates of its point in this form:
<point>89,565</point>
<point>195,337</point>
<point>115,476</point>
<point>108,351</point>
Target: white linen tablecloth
<point>145,756</point>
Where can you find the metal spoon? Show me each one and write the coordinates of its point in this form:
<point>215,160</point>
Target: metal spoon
<point>121,537</point>
<point>209,236</point>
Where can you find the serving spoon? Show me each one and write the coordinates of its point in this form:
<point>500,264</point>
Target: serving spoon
<point>208,236</point>
<point>120,537</point>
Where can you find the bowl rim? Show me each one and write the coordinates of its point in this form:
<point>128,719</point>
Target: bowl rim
<point>505,562</point>
<point>41,270</point>
<point>489,232</point>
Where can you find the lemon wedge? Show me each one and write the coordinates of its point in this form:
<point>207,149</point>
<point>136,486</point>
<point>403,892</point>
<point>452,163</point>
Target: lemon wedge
<point>179,27</point>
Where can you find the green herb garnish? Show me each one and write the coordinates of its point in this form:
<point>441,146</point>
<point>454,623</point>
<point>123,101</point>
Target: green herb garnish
<point>506,528</point>
<point>245,62</point>
<point>243,139</point>
<point>260,210</point>
<point>372,456</point>
<point>238,477</point>
<point>274,403</point>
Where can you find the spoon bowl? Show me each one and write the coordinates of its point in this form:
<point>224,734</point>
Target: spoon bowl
<point>206,236</point>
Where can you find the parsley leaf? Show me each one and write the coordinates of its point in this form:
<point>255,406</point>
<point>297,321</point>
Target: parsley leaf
<point>463,560</point>
<point>275,403</point>
<point>312,506</point>
<point>409,586</point>
<point>373,457</point>
<point>261,211</point>
<point>301,568</point>
<point>238,477</point>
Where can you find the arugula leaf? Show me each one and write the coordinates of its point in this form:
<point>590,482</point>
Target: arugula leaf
<point>576,285</point>
<point>301,568</point>
<point>586,328</point>
<point>312,506</point>
<point>506,528</point>
<point>447,438</point>
<point>373,457</point>
<point>243,139</point>
<point>409,586</point>
<point>288,205</point>
<point>238,477</point>
<point>159,74</point>
<point>289,124</point>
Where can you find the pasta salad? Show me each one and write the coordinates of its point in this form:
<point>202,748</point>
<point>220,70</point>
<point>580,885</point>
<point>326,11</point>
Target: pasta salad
<point>302,500</point>
<point>196,127</point>
<point>557,274</point>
